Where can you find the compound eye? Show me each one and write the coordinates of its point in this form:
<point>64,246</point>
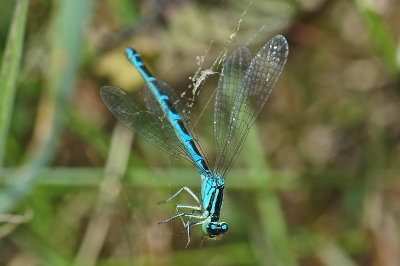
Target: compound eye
<point>216,229</point>
<point>224,227</point>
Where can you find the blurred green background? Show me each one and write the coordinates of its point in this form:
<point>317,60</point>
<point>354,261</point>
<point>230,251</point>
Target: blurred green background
<point>316,182</point>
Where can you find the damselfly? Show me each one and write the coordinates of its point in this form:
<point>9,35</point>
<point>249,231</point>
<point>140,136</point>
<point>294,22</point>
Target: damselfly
<point>243,88</point>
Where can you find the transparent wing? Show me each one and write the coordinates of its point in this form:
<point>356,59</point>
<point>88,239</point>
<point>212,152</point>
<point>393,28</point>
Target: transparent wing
<point>177,105</point>
<point>133,115</point>
<point>166,89</point>
<point>228,86</point>
<point>255,87</point>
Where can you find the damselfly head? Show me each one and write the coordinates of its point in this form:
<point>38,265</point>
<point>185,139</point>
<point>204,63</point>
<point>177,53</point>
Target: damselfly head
<point>214,229</point>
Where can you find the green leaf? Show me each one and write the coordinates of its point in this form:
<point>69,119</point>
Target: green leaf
<point>9,71</point>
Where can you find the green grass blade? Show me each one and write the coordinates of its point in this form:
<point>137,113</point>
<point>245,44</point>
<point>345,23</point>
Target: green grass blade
<point>379,34</point>
<point>69,23</point>
<point>101,219</point>
<point>276,241</point>
<point>9,71</point>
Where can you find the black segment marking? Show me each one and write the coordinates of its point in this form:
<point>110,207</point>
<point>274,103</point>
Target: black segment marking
<point>204,165</point>
<point>146,71</point>
<point>180,123</point>
<point>155,83</point>
<point>218,204</point>
<point>210,203</point>
<point>191,142</point>
<point>173,110</point>
<point>134,52</point>
<point>138,57</point>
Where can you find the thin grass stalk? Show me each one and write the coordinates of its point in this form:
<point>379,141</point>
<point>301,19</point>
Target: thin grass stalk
<point>70,20</point>
<point>108,193</point>
<point>9,71</point>
<point>274,248</point>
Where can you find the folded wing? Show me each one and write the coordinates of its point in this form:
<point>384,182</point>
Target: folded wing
<point>242,92</point>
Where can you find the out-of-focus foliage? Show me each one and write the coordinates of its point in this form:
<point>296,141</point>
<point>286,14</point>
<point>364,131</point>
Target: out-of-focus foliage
<point>316,183</point>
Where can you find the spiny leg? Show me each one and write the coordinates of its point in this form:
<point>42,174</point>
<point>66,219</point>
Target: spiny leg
<point>190,215</point>
<point>188,225</point>
<point>190,207</point>
<point>179,191</point>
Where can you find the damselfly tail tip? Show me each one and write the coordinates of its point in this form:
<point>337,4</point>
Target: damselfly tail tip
<point>130,52</point>
<point>130,49</point>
